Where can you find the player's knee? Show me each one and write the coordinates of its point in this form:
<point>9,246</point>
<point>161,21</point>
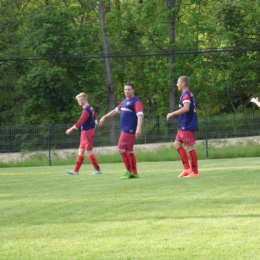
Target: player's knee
<point>121,150</point>
<point>177,145</point>
<point>88,153</point>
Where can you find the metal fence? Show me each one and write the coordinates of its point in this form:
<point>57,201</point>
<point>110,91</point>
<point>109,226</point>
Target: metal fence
<point>52,137</point>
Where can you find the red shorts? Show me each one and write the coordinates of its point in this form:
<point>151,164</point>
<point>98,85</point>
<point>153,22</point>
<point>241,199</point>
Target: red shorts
<point>87,139</point>
<point>186,137</point>
<point>126,142</point>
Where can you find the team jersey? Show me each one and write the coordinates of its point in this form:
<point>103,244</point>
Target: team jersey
<point>87,119</point>
<point>188,121</point>
<point>129,110</point>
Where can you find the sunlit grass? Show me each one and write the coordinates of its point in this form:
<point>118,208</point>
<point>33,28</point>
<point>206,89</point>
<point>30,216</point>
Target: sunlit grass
<point>47,214</point>
<point>217,149</point>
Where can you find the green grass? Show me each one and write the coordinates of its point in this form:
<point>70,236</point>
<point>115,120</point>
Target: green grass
<point>46,214</point>
<point>217,149</point>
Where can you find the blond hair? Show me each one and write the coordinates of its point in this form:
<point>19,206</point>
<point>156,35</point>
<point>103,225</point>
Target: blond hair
<point>184,79</point>
<point>82,95</point>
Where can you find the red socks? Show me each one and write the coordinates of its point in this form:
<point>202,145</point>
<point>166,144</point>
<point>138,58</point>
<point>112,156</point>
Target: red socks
<point>184,159</point>
<point>127,159</point>
<point>94,162</point>
<point>193,161</point>
<point>79,163</point>
<point>134,168</point>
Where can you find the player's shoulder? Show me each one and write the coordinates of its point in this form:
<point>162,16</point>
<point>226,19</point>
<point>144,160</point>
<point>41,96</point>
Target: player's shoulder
<point>88,107</point>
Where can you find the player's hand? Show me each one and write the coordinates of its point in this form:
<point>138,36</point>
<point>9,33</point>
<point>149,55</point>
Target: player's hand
<point>254,100</point>
<point>169,116</point>
<point>138,134</point>
<point>101,121</point>
<point>69,131</point>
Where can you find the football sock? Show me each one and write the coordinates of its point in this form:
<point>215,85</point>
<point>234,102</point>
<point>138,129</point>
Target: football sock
<point>79,163</point>
<point>127,159</point>
<point>183,157</point>
<point>134,168</point>
<point>193,161</point>
<point>94,162</point>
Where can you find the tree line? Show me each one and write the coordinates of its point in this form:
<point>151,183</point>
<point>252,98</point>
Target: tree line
<point>50,50</point>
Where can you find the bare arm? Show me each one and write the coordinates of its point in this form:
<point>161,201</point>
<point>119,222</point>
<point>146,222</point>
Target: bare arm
<point>183,110</point>
<point>256,101</point>
<point>140,120</point>
<point>103,118</point>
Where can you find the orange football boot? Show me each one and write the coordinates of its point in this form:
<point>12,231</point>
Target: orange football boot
<point>192,175</point>
<point>185,173</point>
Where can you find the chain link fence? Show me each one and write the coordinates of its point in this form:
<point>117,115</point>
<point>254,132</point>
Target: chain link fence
<point>52,137</point>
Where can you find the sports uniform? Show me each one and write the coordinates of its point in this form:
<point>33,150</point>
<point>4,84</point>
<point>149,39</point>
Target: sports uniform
<point>86,123</point>
<point>129,110</point>
<point>187,124</point>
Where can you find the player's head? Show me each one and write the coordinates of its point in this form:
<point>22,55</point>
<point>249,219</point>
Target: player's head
<point>82,98</point>
<point>129,90</point>
<point>183,82</point>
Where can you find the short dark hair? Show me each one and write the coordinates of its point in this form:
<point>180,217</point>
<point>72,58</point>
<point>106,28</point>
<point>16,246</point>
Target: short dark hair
<point>130,84</point>
<point>185,80</point>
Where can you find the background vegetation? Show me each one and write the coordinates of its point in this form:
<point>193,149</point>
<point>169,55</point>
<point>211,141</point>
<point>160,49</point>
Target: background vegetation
<point>52,50</point>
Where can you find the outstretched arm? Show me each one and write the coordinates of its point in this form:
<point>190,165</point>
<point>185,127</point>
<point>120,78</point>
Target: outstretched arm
<point>256,101</point>
<point>103,118</point>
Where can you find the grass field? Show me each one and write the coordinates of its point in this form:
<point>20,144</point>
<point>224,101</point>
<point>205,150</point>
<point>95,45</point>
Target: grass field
<point>47,214</point>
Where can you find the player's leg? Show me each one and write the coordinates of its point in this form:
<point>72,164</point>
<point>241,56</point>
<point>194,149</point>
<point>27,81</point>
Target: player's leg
<point>182,153</point>
<point>130,149</point>
<point>193,162</point>
<point>134,164</point>
<point>79,162</point>
<point>81,157</point>
<point>93,160</point>
<point>190,142</point>
<point>127,159</point>
<point>89,137</point>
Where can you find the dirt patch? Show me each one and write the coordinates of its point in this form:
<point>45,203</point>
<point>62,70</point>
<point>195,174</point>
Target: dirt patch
<point>17,157</point>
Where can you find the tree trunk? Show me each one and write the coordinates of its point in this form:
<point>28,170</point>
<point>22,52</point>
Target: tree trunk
<point>172,90</point>
<point>110,86</point>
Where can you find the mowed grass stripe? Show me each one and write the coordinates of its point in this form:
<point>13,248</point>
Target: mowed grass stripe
<point>48,214</point>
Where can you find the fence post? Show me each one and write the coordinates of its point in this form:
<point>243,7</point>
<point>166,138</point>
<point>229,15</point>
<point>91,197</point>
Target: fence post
<point>158,128</point>
<point>49,143</point>
<point>206,135</point>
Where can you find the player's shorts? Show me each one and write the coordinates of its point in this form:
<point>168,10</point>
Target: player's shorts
<point>126,142</point>
<point>87,139</point>
<point>186,137</point>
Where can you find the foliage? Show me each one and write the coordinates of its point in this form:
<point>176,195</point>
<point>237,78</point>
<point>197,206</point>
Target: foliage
<point>51,50</point>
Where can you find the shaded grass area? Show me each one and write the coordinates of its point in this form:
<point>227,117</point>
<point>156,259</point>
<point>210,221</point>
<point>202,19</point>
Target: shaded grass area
<point>215,150</point>
<point>46,214</point>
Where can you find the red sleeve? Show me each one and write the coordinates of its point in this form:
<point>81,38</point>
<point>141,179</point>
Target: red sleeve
<point>83,119</point>
<point>186,97</point>
<point>138,106</point>
<point>119,106</point>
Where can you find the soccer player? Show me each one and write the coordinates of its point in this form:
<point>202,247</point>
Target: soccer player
<point>131,119</point>
<point>87,123</point>
<point>256,101</point>
<point>187,124</point>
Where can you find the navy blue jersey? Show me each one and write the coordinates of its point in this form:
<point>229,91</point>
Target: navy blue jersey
<point>129,109</point>
<point>188,121</point>
<point>90,122</point>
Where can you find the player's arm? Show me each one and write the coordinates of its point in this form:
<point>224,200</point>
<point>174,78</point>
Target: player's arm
<point>110,114</point>
<point>140,119</point>
<point>138,107</point>
<point>256,101</point>
<point>81,121</point>
<point>183,110</point>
